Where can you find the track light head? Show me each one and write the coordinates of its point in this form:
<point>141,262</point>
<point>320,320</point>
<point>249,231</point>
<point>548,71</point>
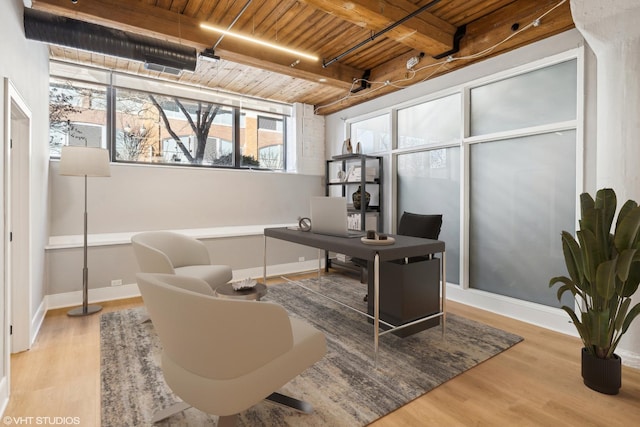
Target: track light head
<point>209,55</point>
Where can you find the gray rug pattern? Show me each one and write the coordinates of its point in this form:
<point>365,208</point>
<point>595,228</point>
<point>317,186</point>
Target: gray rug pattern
<point>343,387</point>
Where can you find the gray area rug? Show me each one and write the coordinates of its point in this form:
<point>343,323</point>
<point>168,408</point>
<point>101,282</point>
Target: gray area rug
<point>344,387</point>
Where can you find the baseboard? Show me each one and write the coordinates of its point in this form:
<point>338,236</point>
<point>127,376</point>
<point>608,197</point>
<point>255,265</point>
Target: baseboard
<point>4,395</point>
<point>536,314</point>
<point>551,318</point>
<point>629,358</point>
<point>36,322</point>
<point>71,299</point>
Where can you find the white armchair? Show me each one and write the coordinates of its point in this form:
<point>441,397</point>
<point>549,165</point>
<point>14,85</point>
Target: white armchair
<point>173,253</point>
<point>246,351</point>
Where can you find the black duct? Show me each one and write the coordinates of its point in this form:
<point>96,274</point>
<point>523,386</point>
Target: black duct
<point>159,55</point>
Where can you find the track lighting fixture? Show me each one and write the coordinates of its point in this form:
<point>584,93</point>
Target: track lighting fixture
<point>258,41</point>
<point>209,55</point>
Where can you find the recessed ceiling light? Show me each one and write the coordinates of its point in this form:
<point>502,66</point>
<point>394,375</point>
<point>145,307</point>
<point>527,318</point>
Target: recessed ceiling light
<point>258,41</point>
<point>322,80</point>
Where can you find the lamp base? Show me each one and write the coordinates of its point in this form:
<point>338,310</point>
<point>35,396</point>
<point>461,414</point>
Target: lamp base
<point>80,311</point>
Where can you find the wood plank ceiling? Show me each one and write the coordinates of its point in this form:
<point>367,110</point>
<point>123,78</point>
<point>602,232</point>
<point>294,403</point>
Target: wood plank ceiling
<point>325,28</point>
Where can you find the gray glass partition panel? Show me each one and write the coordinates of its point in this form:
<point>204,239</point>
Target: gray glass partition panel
<point>429,183</point>
<point>522,195</point>
<point>539,97</point>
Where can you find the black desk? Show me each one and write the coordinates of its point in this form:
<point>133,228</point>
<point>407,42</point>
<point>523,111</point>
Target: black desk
<point>404,246</point>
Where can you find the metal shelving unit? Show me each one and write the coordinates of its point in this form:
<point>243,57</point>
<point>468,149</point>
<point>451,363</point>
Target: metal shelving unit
<point>345,185</point>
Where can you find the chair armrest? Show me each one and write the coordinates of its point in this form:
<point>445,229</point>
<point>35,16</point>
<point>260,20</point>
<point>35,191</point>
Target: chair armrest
<point>151,260</point>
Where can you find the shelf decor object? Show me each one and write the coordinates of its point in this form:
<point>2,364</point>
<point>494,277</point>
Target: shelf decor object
<point>360,180</point>
<point>84,161</point>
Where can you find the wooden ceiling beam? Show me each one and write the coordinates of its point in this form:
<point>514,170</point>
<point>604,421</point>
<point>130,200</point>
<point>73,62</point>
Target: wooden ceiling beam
<point>424,32</point>
<point>140,18</point>
<point>481,35</point>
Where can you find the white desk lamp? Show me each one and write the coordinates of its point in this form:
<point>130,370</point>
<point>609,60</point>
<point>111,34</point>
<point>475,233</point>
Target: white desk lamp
<point>84,161</point>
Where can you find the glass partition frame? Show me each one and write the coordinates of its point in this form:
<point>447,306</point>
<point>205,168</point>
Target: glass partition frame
<point>466,141</point>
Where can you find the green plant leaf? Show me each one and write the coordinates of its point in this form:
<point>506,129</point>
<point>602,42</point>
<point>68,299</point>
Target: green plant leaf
<point>622,312</point>
<point>606,202</point>
<point>606,280</point>
<point>625,258</point>
<point>560,279</point>
<point>599,321</point>
<point>572,258</point>
<point>630,286</point>
<point>632,315</point>
<point>590,257</point>
<point>580,327</point>
<point>624,210</point>
<point>564,288</point>
<point>627,230</point>
<point>587,204</point>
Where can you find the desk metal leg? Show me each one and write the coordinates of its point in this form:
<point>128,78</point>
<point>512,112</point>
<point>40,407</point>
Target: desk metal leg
<point>320,256</point>
<point>264,262</point>
<point>443,303</point>
<point>376,307</point>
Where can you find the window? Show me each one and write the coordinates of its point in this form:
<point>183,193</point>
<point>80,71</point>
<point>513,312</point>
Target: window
<point>521,197</point>
<point>518,166</point>
<point>157,128</point>
<point>540,97</point>
<point>522,188</point>
<point>429,183</point>
<point>77,115</point>
<point>262,140</point>
<point>146,127</point>
<point>373,134</point>
<point>435,122</point>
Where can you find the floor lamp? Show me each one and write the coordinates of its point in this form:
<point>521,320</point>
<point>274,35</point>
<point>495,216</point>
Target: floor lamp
<point>84,161</point>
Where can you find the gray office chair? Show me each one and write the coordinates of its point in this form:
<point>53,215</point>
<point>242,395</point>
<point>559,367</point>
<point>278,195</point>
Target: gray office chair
<point>415,225</point>
<point>418,225</point>
<point>223,356</point>
<point>173,253</point>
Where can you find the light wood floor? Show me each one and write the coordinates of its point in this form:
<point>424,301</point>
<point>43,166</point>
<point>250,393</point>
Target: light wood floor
<point>535,383</point>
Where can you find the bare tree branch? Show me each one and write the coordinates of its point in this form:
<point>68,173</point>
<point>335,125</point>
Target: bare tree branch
<point>167,125</point>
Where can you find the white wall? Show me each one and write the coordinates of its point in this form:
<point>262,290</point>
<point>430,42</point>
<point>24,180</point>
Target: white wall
<point>202,201</point>
<point>26,64</point>
<point>138,198</point>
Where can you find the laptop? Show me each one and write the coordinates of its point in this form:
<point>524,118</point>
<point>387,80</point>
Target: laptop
<point>329,216</point>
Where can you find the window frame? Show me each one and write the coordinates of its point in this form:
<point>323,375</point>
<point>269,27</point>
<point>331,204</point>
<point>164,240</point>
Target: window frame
<point>112,82</point>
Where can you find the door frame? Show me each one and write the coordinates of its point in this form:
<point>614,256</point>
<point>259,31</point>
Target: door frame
<point>18,124</point>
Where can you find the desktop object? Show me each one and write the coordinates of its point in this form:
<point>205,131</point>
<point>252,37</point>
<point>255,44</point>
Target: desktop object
<point>329,216</point>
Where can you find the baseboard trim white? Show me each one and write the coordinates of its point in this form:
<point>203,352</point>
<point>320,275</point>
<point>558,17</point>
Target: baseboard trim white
<point>4,395</point>
<point>536,314</point>
<point>36,322</point>
<point>540,315</point>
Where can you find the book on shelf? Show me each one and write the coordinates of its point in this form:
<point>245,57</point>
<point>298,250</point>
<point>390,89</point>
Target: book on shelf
<point>356,174</point>
<point>354,221</point>
<point>343,258</point>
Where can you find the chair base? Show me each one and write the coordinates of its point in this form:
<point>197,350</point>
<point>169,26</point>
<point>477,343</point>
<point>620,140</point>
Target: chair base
<point>169,411</point>
<point>163,414</point>
<point>230,420</point>
<point>290,402</point>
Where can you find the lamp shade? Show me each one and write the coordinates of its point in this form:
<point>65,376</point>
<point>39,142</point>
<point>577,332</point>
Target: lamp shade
<point>81,161</point>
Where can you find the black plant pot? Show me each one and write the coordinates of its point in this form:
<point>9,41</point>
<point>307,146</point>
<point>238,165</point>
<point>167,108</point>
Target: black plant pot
<point>602,375</point>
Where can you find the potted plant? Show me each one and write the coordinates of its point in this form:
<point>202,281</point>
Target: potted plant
<point>604,272</point>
